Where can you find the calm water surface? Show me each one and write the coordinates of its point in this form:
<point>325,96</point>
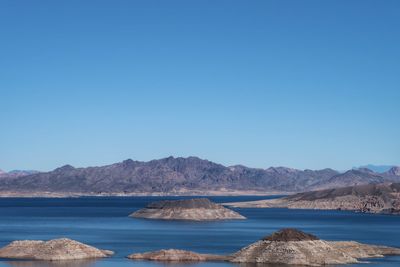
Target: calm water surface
<point>104,223</point>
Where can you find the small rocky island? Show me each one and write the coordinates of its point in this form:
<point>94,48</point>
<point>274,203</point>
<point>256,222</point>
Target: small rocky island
<point>371,198</point>
<point>176,255</point>
<point>52,250</point>
<point>197,209</point>
<point>287,246</point>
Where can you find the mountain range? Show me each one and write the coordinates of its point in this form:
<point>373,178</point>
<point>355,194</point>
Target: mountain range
<point>183,176</point>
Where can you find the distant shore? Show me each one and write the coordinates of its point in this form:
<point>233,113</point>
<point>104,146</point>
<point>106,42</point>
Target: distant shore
<point>142,194</point>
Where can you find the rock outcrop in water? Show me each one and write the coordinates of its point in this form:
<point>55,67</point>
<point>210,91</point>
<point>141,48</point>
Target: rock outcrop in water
<point>52,250</point>
<point>287,246</point>
<point>373,198</point>
<point>291,246</point>
<point>198,209</point>
<point>175,255</point>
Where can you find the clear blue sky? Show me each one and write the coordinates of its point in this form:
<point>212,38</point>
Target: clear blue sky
<point>304,84</point>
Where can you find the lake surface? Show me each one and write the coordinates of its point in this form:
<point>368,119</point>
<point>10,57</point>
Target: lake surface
<point>104,223</point>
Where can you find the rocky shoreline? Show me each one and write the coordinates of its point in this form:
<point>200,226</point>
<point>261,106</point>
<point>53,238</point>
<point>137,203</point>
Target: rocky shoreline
<point>179,193</point>
<point>373,198</point>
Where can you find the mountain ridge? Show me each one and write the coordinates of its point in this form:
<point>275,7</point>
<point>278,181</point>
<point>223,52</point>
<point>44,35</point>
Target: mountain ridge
<point>178,176</point>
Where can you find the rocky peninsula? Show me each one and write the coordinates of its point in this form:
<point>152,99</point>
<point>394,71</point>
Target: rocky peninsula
<point>52,250</point>
<point>372,198</point>
<point>287,246</point>
<point>197,209</point>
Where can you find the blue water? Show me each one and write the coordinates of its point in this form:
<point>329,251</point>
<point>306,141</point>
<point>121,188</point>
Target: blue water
<point>104,223</point>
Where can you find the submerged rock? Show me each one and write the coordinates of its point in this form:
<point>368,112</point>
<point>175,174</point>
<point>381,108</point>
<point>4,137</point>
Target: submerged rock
<point>52,250</point>
<point>287,246</point>
<point>198,209</point>
<point>175,255</point>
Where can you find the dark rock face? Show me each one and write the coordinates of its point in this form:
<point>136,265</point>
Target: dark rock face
<point>290,234</point>
<point>183,176</point>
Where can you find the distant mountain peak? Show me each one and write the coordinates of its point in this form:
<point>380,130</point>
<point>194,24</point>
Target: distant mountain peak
<point>65,168</point>
<point>128,162</point>
<point>394,171</point>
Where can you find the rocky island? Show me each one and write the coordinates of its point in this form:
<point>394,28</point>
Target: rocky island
<point>197,209</point>
<point>372,198</point>
<point>287,246</point>
<point>52,250</point>
<point>176,255</point>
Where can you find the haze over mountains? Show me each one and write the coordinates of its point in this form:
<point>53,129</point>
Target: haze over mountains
<point>180,176</point>
<point>16,173</point>
<point>376,168</point>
